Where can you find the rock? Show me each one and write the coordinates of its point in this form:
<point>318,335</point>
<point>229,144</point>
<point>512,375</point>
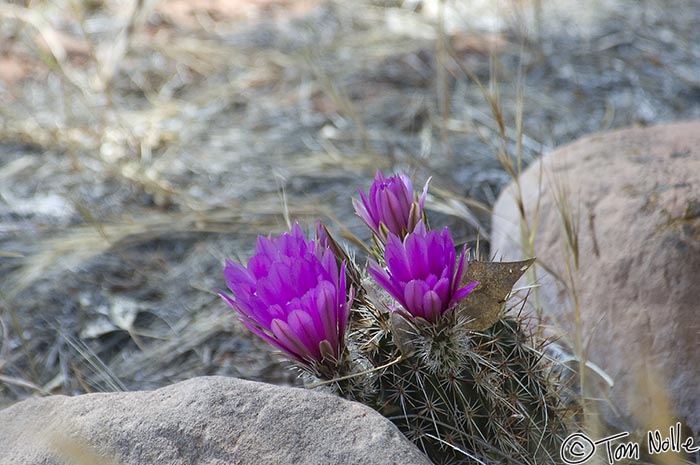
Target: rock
<point>209,420</point>
<point>635,197</point>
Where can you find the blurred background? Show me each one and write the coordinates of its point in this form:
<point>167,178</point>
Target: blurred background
<point>143,141</point>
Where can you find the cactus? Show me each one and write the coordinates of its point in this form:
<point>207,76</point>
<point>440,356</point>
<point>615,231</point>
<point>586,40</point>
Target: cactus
<point>461,395</point>
<point>456,372</point>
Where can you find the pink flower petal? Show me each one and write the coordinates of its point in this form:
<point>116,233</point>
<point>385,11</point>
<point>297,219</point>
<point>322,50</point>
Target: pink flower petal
<point>302,325</point>
<point>397,259</point>
<point>413,297</point>
<point>326,311</point>
<point>464,291</point>
<point>461,268</point>
<point>421,272</point>
<point>417,253</point>
<point>385,280</point>
<point>363,211</point>
<point>391,213</point>
<point>292,294</point>
<point>424,195</point>
<point>289,341</point>
<point>432,306</point>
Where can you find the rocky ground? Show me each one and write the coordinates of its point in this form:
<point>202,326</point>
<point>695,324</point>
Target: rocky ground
<point>140,145</point>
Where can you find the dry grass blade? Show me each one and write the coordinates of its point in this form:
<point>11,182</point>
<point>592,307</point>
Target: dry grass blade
<point>49,37</point>
<point>102,377</point>
<point>108,66</point>
<point>71,249</point>
<point>190,337</point>
<point>8,254</point>
<point>450,204</point>
<point>22,383</point>
<point>340,99</point>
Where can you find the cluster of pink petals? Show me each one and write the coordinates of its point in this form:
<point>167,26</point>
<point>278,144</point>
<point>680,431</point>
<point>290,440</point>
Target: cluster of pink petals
<point>422,272</point>
<point>390,206</point>
<point>292,294</point>
<point>293,291</point>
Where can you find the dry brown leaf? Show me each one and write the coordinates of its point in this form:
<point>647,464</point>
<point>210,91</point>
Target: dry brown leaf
<point>496,279</point>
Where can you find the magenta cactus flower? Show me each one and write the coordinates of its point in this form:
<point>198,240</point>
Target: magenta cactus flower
<point>422,272</point>
<point>293,295</point>
<point>390,206</point>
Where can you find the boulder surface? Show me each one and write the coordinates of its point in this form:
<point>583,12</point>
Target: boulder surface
<point>632,255</point>
<point>208,420</point>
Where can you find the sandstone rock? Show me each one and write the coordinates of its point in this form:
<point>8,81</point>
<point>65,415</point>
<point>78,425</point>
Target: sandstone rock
<point>635,198</point>
<point>211,420</point>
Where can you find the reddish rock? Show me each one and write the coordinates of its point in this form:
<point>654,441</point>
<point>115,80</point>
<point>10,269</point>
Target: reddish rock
<point>635,200</point>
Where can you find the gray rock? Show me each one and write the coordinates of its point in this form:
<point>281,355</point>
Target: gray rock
<point>209,420</point>
<point>635,198</point>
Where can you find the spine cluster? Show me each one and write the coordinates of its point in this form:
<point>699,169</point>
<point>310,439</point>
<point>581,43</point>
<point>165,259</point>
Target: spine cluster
<point>462,396</point>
